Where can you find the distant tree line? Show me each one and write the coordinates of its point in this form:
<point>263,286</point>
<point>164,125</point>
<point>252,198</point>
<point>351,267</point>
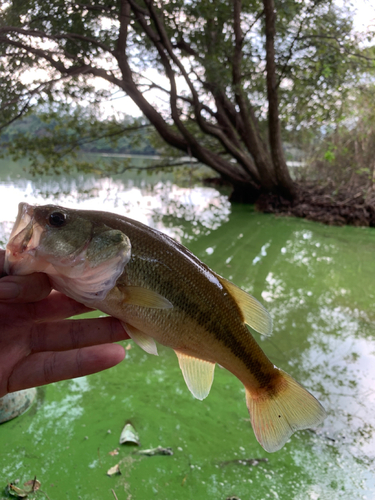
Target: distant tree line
<point>35,129</point>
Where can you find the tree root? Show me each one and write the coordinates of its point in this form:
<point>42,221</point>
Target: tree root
<point>346,207</point>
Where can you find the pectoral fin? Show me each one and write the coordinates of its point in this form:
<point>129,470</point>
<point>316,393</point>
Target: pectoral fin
<point>255,314</point>
<point>198,374</point>
<point>144,297</point>
<point>144,341</point>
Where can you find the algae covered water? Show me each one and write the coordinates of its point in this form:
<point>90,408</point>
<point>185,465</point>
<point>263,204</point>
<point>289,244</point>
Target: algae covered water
<point>317,282</point>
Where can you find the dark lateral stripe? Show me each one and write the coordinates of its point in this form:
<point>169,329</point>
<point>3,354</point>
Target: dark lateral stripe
<point>222,326</point>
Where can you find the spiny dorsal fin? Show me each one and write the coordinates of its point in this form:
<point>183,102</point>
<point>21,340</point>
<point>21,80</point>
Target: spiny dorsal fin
<point>144,341</point>
<point>255,314</point>
<point>198,374</point>
<point>144,297</point>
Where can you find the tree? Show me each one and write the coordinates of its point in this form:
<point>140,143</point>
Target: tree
<point>223,67</point>
<point>53,141</point>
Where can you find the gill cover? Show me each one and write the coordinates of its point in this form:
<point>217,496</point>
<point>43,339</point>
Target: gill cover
<point>82,259</point>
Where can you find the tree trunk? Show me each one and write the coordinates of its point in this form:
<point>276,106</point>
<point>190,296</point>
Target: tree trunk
<point>244,193</point>
<point>285,185</point>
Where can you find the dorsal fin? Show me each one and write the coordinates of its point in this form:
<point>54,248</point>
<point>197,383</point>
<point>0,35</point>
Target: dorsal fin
<point>144,341</point>
<point>255,314</point>
<point>198,374</point>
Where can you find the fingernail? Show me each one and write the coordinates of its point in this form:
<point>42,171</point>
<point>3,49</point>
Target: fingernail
<point>9,291</point>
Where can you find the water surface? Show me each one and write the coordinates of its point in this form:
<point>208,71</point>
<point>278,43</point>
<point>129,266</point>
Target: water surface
<point>318,283</point>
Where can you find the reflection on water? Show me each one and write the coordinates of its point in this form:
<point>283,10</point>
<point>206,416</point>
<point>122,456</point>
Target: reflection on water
<point>64,410</point>
<point>347,363</point>
<point>318,284</point>
<point>315,294</point>
<point>158,204</point>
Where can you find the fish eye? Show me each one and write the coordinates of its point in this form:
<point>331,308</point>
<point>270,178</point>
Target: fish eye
<point>57,219</point>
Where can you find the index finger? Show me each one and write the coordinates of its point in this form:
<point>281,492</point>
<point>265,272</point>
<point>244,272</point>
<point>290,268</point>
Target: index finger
<point>31,288</point>
<point>55,307</point>
<point>46,367</point>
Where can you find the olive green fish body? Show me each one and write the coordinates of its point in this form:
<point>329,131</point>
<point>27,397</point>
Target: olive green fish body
<point>160,291</point>
<point>168,268</point>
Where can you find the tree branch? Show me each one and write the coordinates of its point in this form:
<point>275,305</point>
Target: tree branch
<point>160,165</point>
<point>63,36</point>
<point>339,43</point>
<point>305,18</point>
<point>22,112</point>
<point>165,49</point>
<point>249,133</point>
<point>277,153</point>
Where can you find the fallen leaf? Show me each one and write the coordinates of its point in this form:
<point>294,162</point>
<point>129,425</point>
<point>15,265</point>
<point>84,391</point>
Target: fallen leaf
<point>129,435</point>
<point>252,462</point>
<point>30,487</point>
<point>155,451</point>
<point>14,491</point>
<point>34,483</point>
<point>114,470</point>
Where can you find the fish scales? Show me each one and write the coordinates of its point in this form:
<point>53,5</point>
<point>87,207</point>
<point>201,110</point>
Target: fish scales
<point>160,290</point>
<point>198,305</point>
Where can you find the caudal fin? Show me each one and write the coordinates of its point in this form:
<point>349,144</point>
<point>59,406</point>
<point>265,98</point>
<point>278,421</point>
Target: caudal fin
<point>276,415</point>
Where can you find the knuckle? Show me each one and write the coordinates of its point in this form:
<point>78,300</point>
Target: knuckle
<point>76,334</point>
<point>49,367</point>
<point>80,363</point>
<point>113,330</point>
<point>33,287</point>
<point>37,337</point>
<point>117,330</point>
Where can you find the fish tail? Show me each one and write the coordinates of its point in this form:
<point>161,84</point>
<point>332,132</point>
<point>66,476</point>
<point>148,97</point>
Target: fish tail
<point>276,414</point>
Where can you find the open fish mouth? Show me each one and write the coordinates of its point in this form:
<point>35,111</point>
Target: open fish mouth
<point>23,241</point>
<point>83,259</point>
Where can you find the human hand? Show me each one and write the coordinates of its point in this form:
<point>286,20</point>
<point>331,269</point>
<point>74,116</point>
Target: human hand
<point>38,345</point>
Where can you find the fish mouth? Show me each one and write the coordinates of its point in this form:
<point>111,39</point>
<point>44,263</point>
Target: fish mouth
<point>23,241</point>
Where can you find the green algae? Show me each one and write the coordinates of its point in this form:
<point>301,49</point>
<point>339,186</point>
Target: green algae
<point>318,283</point>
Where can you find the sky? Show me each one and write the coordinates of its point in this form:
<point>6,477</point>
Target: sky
<point>365,17</point>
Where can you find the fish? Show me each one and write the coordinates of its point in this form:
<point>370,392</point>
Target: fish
<point>164,294</point>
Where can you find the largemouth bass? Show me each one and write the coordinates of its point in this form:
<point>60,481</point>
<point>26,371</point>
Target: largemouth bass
<point>161,291</point>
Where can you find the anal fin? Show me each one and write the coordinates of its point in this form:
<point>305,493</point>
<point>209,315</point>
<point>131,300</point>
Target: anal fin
<point>198,374</point>
<point>144,341</point>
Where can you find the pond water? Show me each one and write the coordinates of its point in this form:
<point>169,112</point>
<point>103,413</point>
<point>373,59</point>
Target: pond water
<point>317,282</point>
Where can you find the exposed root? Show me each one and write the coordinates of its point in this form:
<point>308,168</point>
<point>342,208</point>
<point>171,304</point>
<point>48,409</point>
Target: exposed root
<point>313,202</point>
